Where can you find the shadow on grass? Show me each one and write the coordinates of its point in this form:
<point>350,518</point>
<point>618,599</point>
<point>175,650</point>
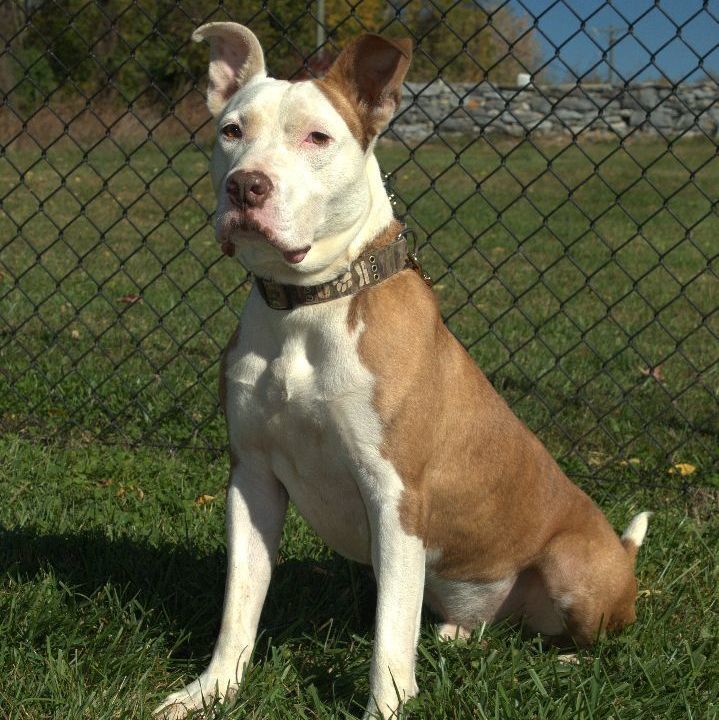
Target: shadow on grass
<point>182,588</point>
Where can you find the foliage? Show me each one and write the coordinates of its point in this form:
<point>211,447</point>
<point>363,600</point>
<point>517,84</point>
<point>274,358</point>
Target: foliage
<point>140,51</point>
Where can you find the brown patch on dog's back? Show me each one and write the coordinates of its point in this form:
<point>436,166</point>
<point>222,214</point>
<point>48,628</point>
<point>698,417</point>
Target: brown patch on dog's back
<point>479,487</point>
<point>467,462</point>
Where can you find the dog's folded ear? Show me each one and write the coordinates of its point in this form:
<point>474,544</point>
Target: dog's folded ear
<point>235,57</point>
<point>369,72</point>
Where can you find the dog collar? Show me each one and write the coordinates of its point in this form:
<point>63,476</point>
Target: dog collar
<point>371,268</point>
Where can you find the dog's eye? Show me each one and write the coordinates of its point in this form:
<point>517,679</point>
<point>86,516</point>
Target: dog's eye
<point>318,138</point>
<point>232,131</point>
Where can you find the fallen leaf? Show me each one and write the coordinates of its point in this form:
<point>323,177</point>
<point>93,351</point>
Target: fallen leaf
<point>125,489</point>
<point>655,372</point>
<point>104,483</point>
<point>75,334</point>
<point>682,469</point>
<point>630,461</point>
<point>648,593</point>
<point>129,299</point>
<point>595,458</point>
<point>204,499</point>
<point>568,659</point>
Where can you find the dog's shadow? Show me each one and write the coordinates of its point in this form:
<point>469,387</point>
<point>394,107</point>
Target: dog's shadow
<point>182,587</point>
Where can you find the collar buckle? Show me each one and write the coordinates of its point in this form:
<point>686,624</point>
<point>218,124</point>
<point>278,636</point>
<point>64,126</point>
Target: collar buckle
<point>412,258</point>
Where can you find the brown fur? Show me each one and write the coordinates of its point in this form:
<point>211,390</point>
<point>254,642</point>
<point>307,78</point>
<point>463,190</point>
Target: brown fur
<point>346,109</point>
<point>479,486</point>
<point>364,84</point>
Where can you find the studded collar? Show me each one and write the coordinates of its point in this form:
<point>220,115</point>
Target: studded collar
<point>369,269</point>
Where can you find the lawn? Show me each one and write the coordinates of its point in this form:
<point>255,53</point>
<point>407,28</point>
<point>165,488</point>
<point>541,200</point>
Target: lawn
<point>111,594</point>
<point>582,278</point>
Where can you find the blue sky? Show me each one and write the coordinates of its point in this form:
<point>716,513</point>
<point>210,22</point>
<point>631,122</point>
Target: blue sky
<point>655,31</point>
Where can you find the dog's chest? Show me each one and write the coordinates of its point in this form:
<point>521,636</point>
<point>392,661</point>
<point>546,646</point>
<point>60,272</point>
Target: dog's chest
<point>298,393</point>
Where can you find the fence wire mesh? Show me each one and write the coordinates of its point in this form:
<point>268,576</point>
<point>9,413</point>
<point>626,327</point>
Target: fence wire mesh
<point>558,161</point>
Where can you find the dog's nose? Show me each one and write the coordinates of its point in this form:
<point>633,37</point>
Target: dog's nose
<point>248,188</point>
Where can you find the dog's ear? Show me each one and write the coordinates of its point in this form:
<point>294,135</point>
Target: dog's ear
<point>369,72</point>
<point>235,57</point>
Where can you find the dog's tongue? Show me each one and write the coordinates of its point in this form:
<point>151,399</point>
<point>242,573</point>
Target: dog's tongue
<point>295,256</point>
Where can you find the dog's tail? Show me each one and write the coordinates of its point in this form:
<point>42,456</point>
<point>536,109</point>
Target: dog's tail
<point>633,536</point>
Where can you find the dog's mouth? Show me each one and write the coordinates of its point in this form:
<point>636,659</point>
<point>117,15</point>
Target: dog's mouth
<point>242,223</point>
<point>295,256</point>
<point>228,248</point>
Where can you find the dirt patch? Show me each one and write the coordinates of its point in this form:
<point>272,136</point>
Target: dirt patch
<point>108,116</point>
<point>703,504</point>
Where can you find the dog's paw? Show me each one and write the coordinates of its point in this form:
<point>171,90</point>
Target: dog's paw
<point>195,696</point>
<point>391,707</point>
<point>452,631</point>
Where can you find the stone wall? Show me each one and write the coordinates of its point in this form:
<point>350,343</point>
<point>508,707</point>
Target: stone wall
<point>647,108</point>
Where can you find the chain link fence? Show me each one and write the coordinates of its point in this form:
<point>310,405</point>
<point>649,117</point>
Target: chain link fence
<point>558,161</point>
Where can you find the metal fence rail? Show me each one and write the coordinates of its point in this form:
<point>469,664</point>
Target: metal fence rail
<point>558,162</point>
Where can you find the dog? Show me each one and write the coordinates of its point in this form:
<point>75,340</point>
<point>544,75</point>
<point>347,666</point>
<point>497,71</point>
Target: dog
<point>344,392</point>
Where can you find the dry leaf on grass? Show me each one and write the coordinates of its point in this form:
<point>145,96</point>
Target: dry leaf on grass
<point>125,489</point>
<point>129,299</point>
<point>647,592</point>
<point>568,658</point>
<point>655,372</point>
<point>204,499</point>
<point>682,469</point>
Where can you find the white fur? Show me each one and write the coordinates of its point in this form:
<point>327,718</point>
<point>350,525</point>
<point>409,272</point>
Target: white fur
<point>637,528</point>
<point>465,604</point>
<point>299,405</point>
<point>256,504</point>
<point>299,401</point>
<point>301,419</point>
<point>328,198</point>
<point>470,604</point>
<point>297,389</point>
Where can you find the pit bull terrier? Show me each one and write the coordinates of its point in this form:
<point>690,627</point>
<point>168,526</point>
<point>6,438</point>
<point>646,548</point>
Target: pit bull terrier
<point>345,393</point>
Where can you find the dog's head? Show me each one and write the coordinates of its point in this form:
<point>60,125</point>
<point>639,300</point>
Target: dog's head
<point>293,166</point>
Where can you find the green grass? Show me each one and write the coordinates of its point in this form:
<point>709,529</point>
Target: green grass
<point>565,304</point>
<point>111,591</point>
<point>112,574</point>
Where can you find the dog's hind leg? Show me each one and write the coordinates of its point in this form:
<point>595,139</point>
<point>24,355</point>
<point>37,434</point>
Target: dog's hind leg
<point>589,580</point>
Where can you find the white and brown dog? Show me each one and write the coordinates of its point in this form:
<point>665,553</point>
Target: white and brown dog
<point>345,393</point>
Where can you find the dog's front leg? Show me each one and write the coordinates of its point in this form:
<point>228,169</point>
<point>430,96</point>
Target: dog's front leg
<point>256,506</point>
<point>398,560</point>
